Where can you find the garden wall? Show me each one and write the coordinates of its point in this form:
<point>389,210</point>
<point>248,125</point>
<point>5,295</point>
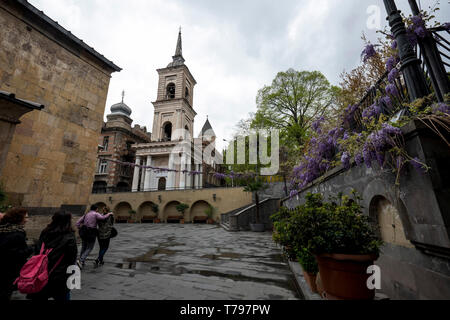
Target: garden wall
<point>413,216</point>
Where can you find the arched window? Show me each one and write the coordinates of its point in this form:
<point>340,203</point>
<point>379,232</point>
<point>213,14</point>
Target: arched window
<point>186,92</point>
<point>171,91</point>
<point>167,132</point>
<point>162,184</point>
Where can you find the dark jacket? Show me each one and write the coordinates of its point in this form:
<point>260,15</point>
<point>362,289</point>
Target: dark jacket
<point>105,227</point>
<point>61,243</point>
<point>13,252</point>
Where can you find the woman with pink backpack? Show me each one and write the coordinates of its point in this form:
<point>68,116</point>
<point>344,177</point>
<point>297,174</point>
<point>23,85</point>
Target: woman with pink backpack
<point>59,239</point>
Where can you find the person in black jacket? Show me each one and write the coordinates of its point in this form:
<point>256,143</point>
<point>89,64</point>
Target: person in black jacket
<point>14,250</point>
<point>60,237</point>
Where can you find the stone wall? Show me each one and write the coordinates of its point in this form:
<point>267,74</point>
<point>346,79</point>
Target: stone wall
<point>52,157</point>
<point>225,200</point>
<point>413,216</point>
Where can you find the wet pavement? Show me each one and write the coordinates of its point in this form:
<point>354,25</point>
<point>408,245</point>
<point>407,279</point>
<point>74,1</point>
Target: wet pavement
<point>187,262</point>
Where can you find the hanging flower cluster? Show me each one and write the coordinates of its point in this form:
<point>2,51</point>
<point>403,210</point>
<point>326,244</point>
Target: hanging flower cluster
<point>381,143</point>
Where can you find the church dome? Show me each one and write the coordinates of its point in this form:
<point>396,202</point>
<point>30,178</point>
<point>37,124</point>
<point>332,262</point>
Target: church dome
<point>121,108</point>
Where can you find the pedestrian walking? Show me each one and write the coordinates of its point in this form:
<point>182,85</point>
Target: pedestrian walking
<point>105,228</point>
<point>87,228</point>
<point>59,236</point>
<point>14,250</point>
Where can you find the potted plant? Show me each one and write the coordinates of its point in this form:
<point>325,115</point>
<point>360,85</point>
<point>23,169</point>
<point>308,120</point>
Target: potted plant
<point>343,242</point>
<point>210,213</point>
<point>255,186</point>
<point>283,234</point>
<point>132,218</point>
<point>155,209</point>
<point>309,266</point>
<point>181,208</point>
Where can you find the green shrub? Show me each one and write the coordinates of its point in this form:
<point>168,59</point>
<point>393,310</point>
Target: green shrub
<point>182,208</point>
<point>210,211</point>
<point>334,227</point>
<point>155,208</point>
<point>307,261</point>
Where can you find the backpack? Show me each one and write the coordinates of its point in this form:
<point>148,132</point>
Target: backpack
<point>34,274</point>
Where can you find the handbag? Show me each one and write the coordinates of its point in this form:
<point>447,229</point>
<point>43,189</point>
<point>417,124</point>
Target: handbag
<point>114,233</point>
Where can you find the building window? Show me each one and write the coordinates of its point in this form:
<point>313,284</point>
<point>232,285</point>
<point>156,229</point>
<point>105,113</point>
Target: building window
<point>171,91</point>
<point>105,143</point>
<point>167,131</point>
<point>102,166</point>
<point>186,93</point>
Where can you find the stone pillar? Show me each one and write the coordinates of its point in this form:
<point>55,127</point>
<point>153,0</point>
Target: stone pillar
<point>148,175</point>
<point>182,174</point>
<point>188,175</point>
<point>201,176</point>
<point>171,175</point>
<point>135,187</point>
<point>141,187</point>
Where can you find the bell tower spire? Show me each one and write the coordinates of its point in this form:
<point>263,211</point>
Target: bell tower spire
<point>178,57</point>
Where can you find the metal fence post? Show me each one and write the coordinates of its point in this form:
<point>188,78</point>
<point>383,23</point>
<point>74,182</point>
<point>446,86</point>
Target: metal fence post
<point>414,77</point>
<point>433,60</point>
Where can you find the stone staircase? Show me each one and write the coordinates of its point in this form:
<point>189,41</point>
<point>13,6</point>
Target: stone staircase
<point>240,219</point>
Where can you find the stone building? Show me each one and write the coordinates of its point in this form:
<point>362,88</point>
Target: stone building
<point>173,146</point>
<point>115,143</point>
<point>52,156</point>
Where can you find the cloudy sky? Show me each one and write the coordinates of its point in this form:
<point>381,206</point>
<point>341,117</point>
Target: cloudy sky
<point>233,48</point>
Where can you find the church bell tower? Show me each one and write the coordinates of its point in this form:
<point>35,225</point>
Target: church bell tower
<point>174,110</point>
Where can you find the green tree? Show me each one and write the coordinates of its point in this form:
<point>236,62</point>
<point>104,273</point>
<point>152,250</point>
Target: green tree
<point>255,185</point>
<point>293,101</point>
<point>182,207</point>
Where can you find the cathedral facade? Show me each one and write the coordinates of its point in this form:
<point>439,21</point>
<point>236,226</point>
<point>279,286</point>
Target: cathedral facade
<point>185,162</point>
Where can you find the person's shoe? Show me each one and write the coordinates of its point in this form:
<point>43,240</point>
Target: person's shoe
<point>79,264</point>
<point>102,262</point>
<point>96,263</point>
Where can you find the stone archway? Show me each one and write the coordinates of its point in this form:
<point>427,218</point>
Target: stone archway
<point>145,212</point>
<point>389,222</point>
<point>122,212</point>
<point>170,211</point>
<point>197,211</point>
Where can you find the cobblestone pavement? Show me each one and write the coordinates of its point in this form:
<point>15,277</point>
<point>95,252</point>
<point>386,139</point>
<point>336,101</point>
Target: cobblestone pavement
<point>187,262</point>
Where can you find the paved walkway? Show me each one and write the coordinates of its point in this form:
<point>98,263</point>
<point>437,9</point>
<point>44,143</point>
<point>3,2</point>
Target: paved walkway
<point>188,262</point>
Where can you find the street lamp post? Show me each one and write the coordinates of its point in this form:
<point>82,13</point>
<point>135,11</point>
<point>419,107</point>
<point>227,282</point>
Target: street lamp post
<point>414,77</point>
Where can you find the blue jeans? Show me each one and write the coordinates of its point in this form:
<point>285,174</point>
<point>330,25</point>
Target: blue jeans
<point>104,245</point>
<point>86,248</point>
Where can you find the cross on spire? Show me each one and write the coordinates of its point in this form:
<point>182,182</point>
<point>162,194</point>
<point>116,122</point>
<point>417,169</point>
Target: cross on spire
<point>123,95</point>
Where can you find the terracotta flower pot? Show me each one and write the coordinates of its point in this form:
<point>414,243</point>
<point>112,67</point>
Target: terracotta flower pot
<point>311,280</point>
<point>344,276</point>
<point>210,221</point>
<point>157,221</point>
<point>182,221</point>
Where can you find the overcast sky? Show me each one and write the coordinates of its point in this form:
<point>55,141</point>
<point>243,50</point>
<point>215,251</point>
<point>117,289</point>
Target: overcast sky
<point>232,48</point>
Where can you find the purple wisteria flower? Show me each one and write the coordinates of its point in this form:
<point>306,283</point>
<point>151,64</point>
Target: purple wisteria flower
<point>441,108</point>
<point>368,52</point>
<point>394,45</point>
<point>392,62</point>
<point>386,100</point>
<point>345,159</point>
<point>349,113</point>
<point>359,159</point>
<point>316,124</point>
<point>392,90</point>
<point>393,75</point>
<point>371,112</point>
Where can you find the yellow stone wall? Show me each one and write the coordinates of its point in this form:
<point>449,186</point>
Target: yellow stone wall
<point>227,199</point>
<point>52,158</point>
